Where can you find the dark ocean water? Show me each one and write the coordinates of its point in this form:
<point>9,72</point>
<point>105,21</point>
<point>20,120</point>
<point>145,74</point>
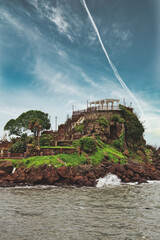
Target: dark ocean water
<point>112,212</point>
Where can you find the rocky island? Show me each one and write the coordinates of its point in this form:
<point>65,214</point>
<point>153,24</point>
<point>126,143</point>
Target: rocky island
<point>92,143</point>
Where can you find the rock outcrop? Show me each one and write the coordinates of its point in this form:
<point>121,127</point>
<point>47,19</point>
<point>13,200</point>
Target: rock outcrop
<point>83,175</point>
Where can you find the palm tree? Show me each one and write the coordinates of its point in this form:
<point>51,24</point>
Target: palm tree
<point>35,127</point>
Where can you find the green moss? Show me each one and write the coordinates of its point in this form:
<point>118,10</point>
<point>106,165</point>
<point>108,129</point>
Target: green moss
<point>149,155</point>
<point>133,127</point>
<point>79,128</point>
<point>117,118</point>
<point>121,120</point>
<point>76,143</point>
<point>88,144</point>
<point>119,143</point>
<point>135,156</point>
<point>103,122</point>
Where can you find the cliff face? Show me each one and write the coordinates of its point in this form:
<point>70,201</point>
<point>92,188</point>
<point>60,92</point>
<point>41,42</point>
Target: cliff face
<point>121,125</point>
<point>92,124</point>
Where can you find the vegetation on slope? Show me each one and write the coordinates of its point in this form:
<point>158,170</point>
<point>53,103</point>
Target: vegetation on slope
<point>71,160</point>
<point>133,129</point>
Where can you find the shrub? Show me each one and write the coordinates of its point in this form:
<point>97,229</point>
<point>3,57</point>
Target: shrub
<point>88,144</point>
<point>76,143</point>
<point>18,147</point>
<point>119,143</point>
<point>133,127</point>
<point>121,120</point>
<point>79,128</point>
<point>46,140</point>
<point>115,118</point>
<point>103,122</point>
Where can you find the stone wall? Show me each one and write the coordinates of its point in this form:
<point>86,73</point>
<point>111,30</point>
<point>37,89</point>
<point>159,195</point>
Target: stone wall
<point>43,152</point>
<point>66,131</point>
<point>92,126</point>
<point>107,114</point>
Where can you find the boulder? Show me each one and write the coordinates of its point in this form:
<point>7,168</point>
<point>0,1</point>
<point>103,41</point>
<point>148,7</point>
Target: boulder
<point>35,176</point>
<point>2,174</point>
<point>89,183</point>
<point>91,175</point>
<point>120,168</point>
<point>119,174</point>
<point>126,152</point>
<point>79,180</point>
<point>50,175</point>
<point>141,154</point>
<point>6,166</point>
<point>130,173</point>
<point>19,175</point>
<point>126,180</point>
<point>142,180</point>
<point>135,179</point>
<point>64,172</point>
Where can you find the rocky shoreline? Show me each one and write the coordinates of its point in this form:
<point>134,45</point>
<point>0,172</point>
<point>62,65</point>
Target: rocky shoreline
<point>82,175</point>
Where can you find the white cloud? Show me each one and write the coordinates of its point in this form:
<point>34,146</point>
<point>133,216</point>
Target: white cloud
<point>56,15</point>
<point>56,80</point>
<point>121,34</point>
<point>31,33</point>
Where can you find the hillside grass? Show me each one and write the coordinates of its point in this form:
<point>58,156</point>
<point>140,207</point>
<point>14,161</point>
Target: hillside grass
<point>58,147</point>
<point>109,151</point>
<point>72,160</point>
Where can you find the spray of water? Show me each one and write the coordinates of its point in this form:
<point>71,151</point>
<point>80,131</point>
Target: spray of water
<point>109,180</point>
<point>115,71</point>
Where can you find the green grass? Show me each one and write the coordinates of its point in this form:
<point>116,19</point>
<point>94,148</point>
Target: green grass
<point>135,157</point>
<point>68,159</point>
<point>72,160</point>
<point>16,162</point>
<point>58,147</point>
<point>113,154</point>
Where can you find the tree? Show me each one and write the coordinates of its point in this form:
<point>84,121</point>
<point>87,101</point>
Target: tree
<point>35,127</point>
<point>20,125</point>
<point>13,127</point>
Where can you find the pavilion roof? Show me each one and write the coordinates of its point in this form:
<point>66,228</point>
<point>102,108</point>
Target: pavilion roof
<point>107,100</point>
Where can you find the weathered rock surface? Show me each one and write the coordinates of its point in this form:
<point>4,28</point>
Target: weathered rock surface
<point>83,175</point>
<point>6,166</point>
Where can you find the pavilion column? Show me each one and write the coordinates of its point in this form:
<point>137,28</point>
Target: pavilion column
<point>112,105</point>
<point>107,105</point>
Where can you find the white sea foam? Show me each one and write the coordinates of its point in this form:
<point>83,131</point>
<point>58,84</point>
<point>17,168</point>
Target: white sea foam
<point>109,179</point>
<point>153,181</point>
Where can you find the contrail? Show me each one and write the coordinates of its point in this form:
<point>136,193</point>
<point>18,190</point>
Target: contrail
<point>115,71</point>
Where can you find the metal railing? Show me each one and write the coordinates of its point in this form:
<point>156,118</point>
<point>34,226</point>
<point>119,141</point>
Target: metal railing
<point>94,109</point>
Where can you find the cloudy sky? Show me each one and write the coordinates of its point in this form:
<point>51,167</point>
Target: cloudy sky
<point>51,57</point>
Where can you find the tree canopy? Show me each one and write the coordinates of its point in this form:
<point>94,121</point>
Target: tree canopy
<point>21,124</point>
